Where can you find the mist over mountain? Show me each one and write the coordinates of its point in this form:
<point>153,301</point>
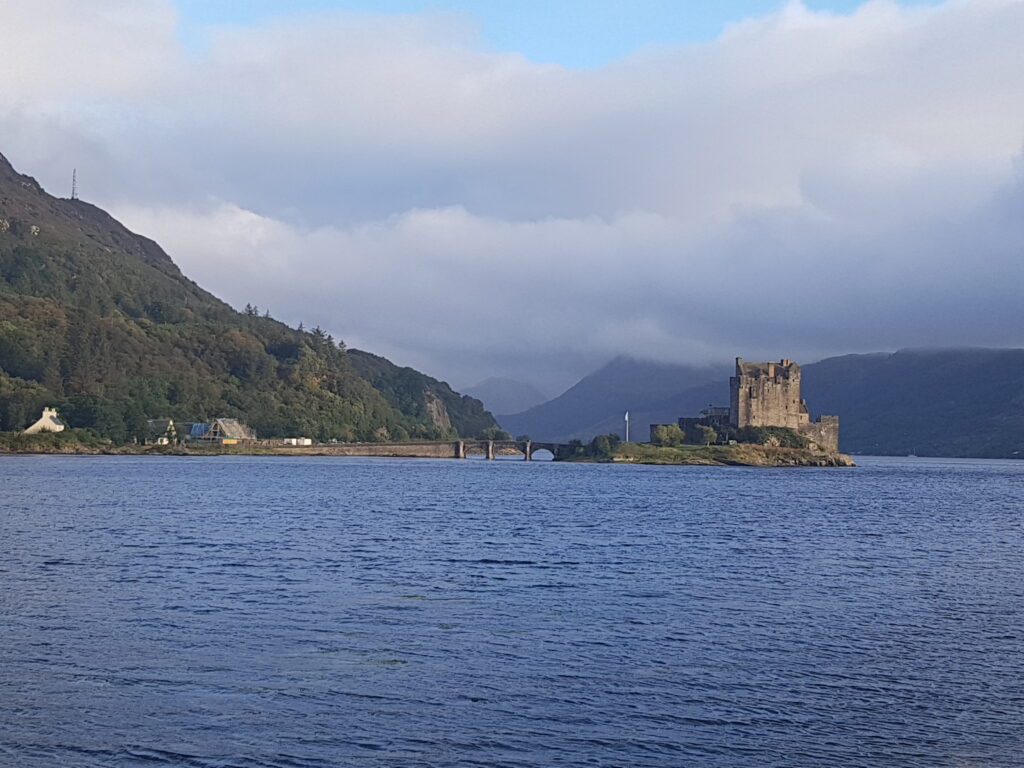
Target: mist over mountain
<point>504,395</point>
<point>929,402</point>
<point>101,323</point>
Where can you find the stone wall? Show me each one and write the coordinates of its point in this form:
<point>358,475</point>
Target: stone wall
<point>436,450</point>
<point>823,433</point>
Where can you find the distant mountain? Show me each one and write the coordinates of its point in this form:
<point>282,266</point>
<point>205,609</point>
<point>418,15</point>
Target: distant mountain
<point>598,402</point>
<point>938,402</point>
<point>501,395</point>
<point>99,322</point>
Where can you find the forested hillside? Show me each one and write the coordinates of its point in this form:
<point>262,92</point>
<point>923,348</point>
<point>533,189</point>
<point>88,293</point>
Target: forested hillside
<point>101,323</point>
<point>423,399</point>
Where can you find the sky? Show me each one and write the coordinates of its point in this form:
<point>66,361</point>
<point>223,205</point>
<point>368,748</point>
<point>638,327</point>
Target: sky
<point>573,33</point>
<point>530,189</point>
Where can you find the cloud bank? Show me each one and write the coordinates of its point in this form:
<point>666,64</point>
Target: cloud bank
<point>807,184</point>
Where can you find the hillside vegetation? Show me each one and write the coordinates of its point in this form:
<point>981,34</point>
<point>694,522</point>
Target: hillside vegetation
<point>101,323</point>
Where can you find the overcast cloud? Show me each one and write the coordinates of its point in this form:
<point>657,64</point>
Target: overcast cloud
<point>805,185</point>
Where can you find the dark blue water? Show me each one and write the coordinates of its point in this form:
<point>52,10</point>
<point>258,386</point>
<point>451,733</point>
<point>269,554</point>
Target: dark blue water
<point>337,612</point>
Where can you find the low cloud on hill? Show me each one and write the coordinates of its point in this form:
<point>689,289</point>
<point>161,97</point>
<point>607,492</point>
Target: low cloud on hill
<point>806,184</point>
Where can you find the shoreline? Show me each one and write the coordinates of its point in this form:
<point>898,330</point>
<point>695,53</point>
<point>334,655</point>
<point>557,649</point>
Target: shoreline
<point>353,450</point>
<point>741,455</point>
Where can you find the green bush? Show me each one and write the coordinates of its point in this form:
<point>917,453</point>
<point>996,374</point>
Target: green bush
<point>667,435</point>
<point>781,436</point>
<point>602,447</point>
<point>707,434</point>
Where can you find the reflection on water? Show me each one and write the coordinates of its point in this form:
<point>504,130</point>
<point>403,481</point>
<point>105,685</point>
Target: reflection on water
<point>320,612</point>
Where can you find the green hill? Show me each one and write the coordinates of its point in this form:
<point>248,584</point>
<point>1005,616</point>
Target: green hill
<point>101,323</point>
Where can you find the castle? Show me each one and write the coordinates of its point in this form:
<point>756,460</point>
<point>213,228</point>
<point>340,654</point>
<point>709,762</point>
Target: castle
<point>768,395</point>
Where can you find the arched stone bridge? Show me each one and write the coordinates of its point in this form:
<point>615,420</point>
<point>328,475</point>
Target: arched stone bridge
<point>429,449</point>
<point>491,448</point>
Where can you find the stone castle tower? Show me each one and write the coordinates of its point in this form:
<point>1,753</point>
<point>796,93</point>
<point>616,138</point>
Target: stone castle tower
<point>768,395</point>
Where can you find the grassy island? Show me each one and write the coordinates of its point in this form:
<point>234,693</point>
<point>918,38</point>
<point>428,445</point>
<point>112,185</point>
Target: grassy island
<point>741,454</point>
<point>779,448</point>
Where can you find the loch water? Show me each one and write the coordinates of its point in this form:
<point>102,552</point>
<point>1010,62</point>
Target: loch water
<point>271,611</point>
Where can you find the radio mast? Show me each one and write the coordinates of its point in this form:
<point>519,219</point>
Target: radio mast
<point>74,183</point>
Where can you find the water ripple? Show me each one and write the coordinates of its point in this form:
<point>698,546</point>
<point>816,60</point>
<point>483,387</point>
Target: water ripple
<point>324,612</point>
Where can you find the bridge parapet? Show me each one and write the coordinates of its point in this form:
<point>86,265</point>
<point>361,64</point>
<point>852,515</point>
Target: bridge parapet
<point>432,449</point>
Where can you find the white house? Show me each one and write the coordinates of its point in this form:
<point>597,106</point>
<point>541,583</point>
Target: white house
<point>48,423</point>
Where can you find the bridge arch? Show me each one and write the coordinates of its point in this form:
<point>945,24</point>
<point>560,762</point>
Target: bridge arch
<point>492,449</point>
<point>474,449</point>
